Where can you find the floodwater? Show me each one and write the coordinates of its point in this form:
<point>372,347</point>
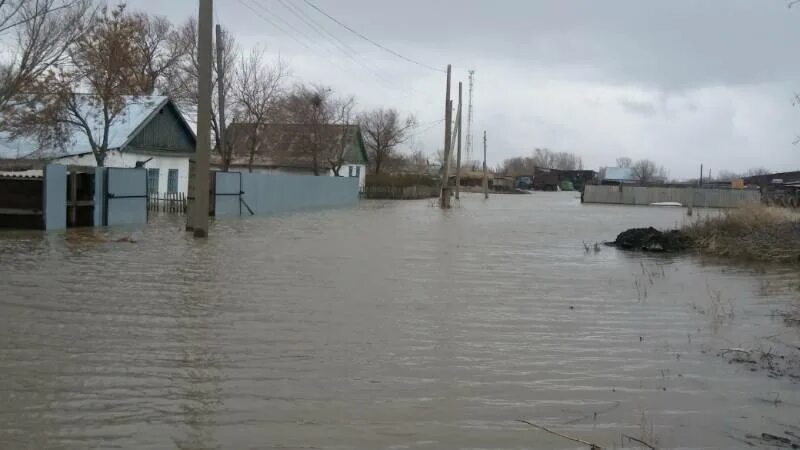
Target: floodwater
<point>393,325</point>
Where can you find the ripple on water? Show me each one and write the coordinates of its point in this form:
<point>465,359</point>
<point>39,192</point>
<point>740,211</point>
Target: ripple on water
<point>392,325</point>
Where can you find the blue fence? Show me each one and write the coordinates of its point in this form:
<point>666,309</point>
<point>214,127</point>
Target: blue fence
<point>262,194</point>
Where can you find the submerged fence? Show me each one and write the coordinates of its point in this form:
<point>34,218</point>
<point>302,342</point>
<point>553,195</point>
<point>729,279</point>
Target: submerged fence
<point>636,195</point>
<point>401,192</point>
<point>171,202</point>
<point>248,194</point>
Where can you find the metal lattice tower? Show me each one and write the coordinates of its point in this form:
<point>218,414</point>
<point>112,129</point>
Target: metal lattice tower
<point>468,149</point>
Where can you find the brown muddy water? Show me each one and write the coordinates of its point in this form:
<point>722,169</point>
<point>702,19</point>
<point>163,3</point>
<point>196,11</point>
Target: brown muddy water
<point>393,325</point>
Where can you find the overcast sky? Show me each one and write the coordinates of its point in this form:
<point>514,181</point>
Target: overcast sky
<point>682,82</point>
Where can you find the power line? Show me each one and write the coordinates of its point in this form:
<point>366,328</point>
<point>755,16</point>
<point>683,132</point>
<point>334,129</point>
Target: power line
<point>427,128</point>
<point>307,39</point>
<point>348,28</point>
<point>328,36</point>
<point>310,47</point>
<point>278,27</point>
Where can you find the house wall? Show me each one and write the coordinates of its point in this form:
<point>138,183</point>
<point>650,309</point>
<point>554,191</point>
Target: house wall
<point>362,173</point>
<point>116,158</point>
<point>165,132</point>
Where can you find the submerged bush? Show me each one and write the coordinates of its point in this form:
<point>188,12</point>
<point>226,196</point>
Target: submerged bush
<point>401,180</point>
<point>752,232</point>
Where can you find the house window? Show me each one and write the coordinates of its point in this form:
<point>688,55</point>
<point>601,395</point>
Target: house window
<point>172,181</point>
<point>152,181</point>
<point>358,171</point>
<point>349,171</point>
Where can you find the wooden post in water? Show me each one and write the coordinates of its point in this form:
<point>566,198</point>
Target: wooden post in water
<point>690,209</point>
<point>199,210</point>
<point>485,178</point>
<point>444,202</point>
<point>458,156</point>
<point>223,144</point>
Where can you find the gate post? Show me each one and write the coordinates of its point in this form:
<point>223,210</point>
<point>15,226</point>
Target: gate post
<point>99,196</point>
<point>54,198</point>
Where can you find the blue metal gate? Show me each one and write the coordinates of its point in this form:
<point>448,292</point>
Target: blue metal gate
<point>125,196</point>
<point>228,194</point>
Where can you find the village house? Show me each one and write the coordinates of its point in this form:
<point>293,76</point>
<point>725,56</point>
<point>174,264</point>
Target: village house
<point>286,148</point>
<point>150,132</point>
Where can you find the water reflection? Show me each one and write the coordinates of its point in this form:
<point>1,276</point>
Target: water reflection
<point>390,326</point>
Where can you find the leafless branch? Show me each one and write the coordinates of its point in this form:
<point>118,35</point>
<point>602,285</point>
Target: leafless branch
<point>591,445</point>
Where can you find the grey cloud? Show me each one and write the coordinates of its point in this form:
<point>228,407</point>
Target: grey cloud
<point>691,71</point>
<point>638,107</point>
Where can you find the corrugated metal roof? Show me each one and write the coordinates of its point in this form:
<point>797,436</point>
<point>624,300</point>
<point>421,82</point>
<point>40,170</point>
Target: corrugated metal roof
<point>136,113</point>
<point>35,173</point>
<point>286,145</point>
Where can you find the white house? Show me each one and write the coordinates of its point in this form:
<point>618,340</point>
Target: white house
<point>150,132</point>
<point>284,148</point>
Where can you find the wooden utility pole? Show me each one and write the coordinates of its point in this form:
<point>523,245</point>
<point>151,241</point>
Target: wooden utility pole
<point>700,183</point>
<point>223,147</point>
<point>198,177</point>
<point>458,156</point>
<point>444,202</point>
<point>485,178</point>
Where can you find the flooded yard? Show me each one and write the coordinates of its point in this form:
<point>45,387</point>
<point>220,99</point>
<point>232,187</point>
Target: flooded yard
<point>393,325</point>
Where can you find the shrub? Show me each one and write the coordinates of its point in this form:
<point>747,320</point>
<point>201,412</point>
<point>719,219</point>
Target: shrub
<point>752,232</point>
<point>401,180</point>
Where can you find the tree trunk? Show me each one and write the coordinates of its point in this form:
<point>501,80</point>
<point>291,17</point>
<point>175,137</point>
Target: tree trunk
<point>100,157</point>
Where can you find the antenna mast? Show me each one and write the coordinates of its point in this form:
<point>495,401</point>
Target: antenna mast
<point>469,117</point>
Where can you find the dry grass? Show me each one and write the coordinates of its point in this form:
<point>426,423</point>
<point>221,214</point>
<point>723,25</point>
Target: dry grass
<point>753,232</point>
<point>401,180</point>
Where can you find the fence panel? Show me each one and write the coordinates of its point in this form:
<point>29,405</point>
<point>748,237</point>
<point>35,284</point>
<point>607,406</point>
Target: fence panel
<point>638,195</point>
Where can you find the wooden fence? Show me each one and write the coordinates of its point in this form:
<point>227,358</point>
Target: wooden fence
<point>637,195</point>
<point>401,192</point>
<point>170,202</point>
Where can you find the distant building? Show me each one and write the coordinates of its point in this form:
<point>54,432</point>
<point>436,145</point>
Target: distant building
<point>774,180</point>
<point>617,176</point>
<point>546,179</point>
<point>285,148</point>
<point>553,179</point>
<point>578,178</point>
<point>150,132</point>
<point>782,188</point>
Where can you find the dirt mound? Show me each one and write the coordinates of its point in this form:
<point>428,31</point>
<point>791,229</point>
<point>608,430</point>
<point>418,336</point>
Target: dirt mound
<point>652,240</point>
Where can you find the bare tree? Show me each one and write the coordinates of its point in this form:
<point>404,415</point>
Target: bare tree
<point>624,162</point>
<point>161,48</point>
<point>548,159</point>
<point>519,165</point>
<point>256,96</point>
<point>42,32</point>
<point>180,81</point>
<point>757,171</point>
<point>324,120</point>
<point>342,135</point>
<point>646,171</point>
<point>417,162</point>
<point>383,132</point>
<point>104,61</point>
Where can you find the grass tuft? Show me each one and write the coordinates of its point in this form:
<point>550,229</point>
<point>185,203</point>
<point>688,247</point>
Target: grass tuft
<point>754,232</point>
